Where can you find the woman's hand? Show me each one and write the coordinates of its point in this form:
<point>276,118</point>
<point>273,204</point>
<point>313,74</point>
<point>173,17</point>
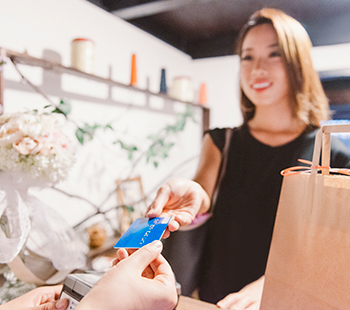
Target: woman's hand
<point>181,199</point>
<point>42,298</point>
<point>249,297</point>
<point>143,280</point>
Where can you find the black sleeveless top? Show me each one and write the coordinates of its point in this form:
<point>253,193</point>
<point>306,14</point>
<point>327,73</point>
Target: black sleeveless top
<point>241,227</point>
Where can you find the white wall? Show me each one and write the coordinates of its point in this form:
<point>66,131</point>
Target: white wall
<point>45,28</point>
<point>221,76</point>
<point>47,24</point>
<point>331,57</point>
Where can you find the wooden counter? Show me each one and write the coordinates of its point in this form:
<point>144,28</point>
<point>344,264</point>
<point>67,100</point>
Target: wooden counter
<point>187,303</point>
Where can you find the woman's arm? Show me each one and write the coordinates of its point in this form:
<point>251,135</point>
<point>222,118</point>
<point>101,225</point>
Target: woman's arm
<point>208,169</point>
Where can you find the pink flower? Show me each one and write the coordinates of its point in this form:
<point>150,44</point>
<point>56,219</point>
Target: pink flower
<point>48,145</point>
<point>61,140</point>
<point>27,146</point>
<point>9,135</point>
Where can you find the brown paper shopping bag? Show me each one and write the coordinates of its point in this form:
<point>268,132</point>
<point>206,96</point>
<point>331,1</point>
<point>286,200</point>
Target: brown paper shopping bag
<point>309,260</point>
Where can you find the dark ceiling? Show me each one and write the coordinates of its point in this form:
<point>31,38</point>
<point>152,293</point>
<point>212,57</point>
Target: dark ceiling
<point>208,28</point>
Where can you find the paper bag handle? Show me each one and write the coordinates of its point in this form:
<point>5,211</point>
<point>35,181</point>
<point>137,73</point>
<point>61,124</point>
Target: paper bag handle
<point>323,140</point>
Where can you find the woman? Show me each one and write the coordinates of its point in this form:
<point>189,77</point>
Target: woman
<point>282,103</point>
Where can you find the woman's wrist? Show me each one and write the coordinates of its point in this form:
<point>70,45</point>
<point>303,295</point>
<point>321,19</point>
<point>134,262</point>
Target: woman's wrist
<point>205,200</point>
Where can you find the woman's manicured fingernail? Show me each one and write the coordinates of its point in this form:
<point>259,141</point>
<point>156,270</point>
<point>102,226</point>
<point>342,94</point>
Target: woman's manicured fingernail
<point>150,212</point>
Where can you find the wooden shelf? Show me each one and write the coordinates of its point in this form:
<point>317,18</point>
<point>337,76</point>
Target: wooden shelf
<point>26,59</point>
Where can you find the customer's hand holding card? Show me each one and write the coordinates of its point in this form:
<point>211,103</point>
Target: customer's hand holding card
<point>143,231</point>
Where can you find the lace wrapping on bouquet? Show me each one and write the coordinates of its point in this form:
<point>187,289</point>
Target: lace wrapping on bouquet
<point>14,217</point>
<point>51,237</point>
<point>50,243</point>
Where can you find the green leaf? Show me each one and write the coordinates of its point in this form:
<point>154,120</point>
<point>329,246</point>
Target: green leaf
<point>79,133</point>
<point>130,209</point>
<point>153,137</point>
<point>130,148</point>
<point>89,131</point>
<point>63,108</point>
<point>96,126</point>
<point>170,129</point>
<point>180,125</point>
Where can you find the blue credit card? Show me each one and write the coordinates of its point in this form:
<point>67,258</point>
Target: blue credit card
<point>143,231</point>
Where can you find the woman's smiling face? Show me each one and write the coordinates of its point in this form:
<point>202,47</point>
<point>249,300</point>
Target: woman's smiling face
<point>263,74</point>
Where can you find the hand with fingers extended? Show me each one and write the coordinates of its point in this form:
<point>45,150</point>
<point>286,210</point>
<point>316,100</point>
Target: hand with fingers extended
<point>142,280</point>
<point>180,198</point>
<point>42,298</point>
<point>248,298</point>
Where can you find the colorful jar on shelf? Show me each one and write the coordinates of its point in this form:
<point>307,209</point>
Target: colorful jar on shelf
<point>83,55</point>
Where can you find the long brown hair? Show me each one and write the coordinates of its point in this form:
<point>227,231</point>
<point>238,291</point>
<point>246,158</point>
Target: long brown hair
<point>310,103</point>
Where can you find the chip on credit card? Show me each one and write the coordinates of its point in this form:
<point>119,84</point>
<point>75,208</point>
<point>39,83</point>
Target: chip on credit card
<point>143,231</point>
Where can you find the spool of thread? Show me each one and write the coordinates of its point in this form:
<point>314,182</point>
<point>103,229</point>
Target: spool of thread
<point>83,55</point>
<point>133,77</point>
<point>182,89</point>
<point>163,88</point>
<point>203,94</point>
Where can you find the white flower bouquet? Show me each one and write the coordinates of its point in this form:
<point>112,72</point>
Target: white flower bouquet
<point>33,143</point>
<point>34,151</point>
